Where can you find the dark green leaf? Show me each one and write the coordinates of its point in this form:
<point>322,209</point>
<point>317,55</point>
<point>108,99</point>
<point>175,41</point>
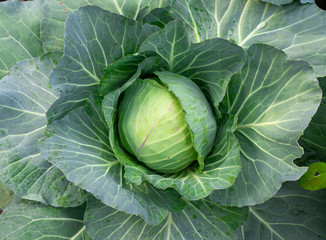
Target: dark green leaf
<point>298,29</point>
<point>56,13</point>
<point>274,99</point>
<point>25,96</point>
<point>159,17</point>
<point>68,102</point>
<point>19,32</point>
<point>200,220</point>
<point>314,137</point>
<point>29,221</point>
<point>94,38</point>
<point>151,65</point>
<point>293,213</point>
<point>119,72</point>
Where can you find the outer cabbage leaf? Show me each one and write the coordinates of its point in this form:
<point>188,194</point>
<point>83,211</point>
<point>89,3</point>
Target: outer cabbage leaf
<point>274,99</point>
<point>25,96</point>
<point>293,213</point>
<point>314,137</point>
<point>19,32</point>
<point>94,38</point>
<point>199,220</point>
<point>29,221</point>
<point>221,168</point>
<point>78,144</point>
<point>56,13</point>
<point>298,29</point>
<point>210,64</point>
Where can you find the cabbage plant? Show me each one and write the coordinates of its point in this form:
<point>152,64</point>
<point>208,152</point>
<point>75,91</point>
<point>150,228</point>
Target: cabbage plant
<point>152,119</point>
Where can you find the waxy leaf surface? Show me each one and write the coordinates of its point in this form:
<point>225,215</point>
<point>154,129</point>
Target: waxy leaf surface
<point>25,96</point>
<point>274,99</point>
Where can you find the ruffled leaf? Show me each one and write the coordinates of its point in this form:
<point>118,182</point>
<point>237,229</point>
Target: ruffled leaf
<point>19,32</point>
<point>25,96</point>
<point>56,13</point>
<point>293,213</point>
<point>94,38</point>
<point>29,221</point>
<point>274,99</point>
<point>301,33</point>
<point>119,72</point>
<point>199,220</point>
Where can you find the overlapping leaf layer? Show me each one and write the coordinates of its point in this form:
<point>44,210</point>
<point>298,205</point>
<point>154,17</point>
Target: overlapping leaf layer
<point>244,73</point>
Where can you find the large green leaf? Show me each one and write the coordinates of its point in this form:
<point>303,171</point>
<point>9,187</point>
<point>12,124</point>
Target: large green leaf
<point>94,38</point>
<point>221,168</point>
<point>6,196</point>
<point>293,213</point>
<point>56,12</point>
<point>314,137</point>
<point>274,99</point>
<point>25,96</point>
<point>19,32</point>
<point>78,144</point>
<point>198,221</point>
<point>298,29</point>
<point>210,64</point>
<point>29,221</point>
<point>198,113</point>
